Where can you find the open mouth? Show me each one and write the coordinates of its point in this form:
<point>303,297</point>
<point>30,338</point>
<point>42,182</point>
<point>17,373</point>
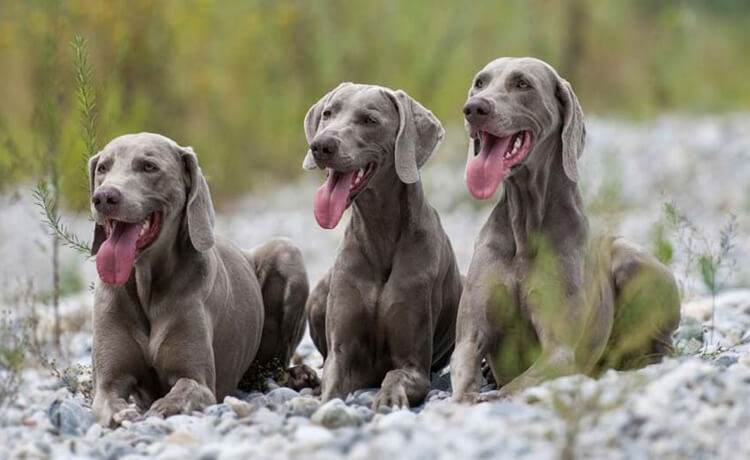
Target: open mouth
<point>148,228</point>
<point>338,192</point>
<point>494,158</point>
<point>116,255</point>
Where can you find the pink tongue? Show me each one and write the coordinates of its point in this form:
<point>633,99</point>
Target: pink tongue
<point>332,197</point>
<point>115,257</point>
<point>487,170</point>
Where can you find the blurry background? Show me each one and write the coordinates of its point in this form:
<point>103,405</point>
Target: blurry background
<point>664,85</point>
<point>234,78</point>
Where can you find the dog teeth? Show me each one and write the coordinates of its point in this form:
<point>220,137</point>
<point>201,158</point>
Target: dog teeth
<point>359,176</point>
<point>144,227</point>
<point>516,146</point>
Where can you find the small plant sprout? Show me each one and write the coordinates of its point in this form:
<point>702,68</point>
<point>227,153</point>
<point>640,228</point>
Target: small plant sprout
<point>44,199</point>
<point>712,260</point>
<point>85,96</point>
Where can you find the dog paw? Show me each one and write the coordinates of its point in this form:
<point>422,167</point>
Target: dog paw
<point>489,396</point>
<point>302,376</point>
<point>476,397</point>
<point>186,396</point>
<point>393,395</point>
<point>469,397</point>
<point>165,407</point>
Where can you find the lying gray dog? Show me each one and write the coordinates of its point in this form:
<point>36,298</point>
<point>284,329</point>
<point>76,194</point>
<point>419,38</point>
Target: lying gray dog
<point>386,310</point>
<point>180,315</point>
<point>542,298</point>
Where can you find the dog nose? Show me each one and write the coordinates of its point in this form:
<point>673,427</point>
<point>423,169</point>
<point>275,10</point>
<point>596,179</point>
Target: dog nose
<point>324,147</point>
<point>476,109</point>
<point>106,199</point>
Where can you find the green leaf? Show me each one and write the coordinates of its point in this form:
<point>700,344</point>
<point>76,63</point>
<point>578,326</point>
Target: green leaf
<point>708,272</point>
<point>663,249</point>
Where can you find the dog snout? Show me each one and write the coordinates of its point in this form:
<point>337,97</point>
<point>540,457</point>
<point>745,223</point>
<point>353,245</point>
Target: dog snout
<point>324,147</point>
<point>106,199</point>
<point>477,109</point>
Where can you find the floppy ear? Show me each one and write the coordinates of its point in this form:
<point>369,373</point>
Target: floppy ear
<point>419,136</point>
<point>312,120</point>
<point>573,134</point>
<point>199,212</point>
<point>99,234</point>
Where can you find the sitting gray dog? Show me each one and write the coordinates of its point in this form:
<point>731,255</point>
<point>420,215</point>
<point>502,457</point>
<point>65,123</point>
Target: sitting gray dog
<point>542,298</point>
<point>386,310</point>
<point>180,315</point>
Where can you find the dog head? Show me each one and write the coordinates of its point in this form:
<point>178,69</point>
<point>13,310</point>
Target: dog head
<point>514,105</point>
<point>357,132</point>
<point>146,191</point>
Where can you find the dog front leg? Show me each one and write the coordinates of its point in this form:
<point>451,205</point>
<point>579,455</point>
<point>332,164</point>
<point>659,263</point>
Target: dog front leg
<point>185,364</point>
<point>559,333</point>
<point>336,379</point>
<point>116,358</point>
<point>465,369</point>
<point>410,342</point>
<point>476,331</point>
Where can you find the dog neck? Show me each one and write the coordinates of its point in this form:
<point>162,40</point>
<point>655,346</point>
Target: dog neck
<point>158,267</point>
<point>383,213</point>
<point>539,198</point>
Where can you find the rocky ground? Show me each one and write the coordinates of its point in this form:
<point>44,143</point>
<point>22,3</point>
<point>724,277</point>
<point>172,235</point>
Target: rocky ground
<point>687,407</point>
<point>696,405</point>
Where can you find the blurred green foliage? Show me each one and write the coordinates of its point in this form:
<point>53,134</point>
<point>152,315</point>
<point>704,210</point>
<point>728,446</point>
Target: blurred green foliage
<point>234,78</point>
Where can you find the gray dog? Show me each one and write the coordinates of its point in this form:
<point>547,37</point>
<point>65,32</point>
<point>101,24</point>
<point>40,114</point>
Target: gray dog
<point>180,315</point>
<point>542,297</point>
<point>386,310</point>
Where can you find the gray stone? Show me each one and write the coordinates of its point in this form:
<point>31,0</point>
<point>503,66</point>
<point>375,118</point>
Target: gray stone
<point>281,395</point>
<point>363,397</point>
<point>268,421</point>
<point>312,436</point>
<point>364,413</point>
<point>690,329</point>
<point>114,450</point>
<point>335,414</point>
<point>241,408</point>
<point>436,395</point>
<point>304,406</point>
<point>70,417</point>
<point>218,410</point>
<point>441,381</point>
<point>726,361</point>
<point>153,428</point>
<point>401,419</point>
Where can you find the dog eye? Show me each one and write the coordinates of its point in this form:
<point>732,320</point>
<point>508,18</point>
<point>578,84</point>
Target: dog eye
<point>370,120</point>
<point>522,84</point>
<point>101,169</point>
<point>478,83</point>
<point>326,113</point>
<point>149,167</point>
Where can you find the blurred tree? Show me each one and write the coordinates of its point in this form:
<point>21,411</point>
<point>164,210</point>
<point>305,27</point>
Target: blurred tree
<point>234,78</point>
